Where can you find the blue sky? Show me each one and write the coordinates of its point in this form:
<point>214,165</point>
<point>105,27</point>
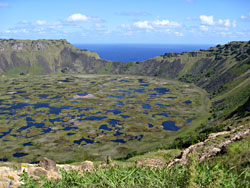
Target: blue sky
<point>127,21</point>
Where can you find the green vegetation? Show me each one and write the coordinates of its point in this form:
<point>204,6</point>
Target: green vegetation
<point>193,175</point>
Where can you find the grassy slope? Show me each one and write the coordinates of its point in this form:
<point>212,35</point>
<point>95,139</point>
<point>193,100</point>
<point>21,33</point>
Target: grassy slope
<point>223,71</point>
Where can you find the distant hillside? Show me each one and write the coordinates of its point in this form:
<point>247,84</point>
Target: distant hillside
<point>209,69</point>
<point>222,70</point>
<point>18,57</point>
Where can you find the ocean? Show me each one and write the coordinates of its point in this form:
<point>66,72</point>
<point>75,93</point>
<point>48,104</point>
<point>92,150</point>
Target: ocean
<point>138,52</point>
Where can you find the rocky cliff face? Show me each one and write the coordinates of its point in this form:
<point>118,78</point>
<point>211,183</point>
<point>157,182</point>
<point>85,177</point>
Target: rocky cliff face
<point>44,57</point>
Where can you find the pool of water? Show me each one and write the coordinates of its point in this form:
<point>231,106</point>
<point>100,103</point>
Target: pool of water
<point>162,105</point>
<point>82,94</point>
<point>105,127</point>
<point>113,122</point>
<point>162,91</point>
<point>115,111</point>
<point>170,126</point>
<point>43,96</point>
<point>189,121</point>
<point>117,97</point>
<point>150,125</point>
<point>119,141</point>
<point>70,134</point>
<point>93,118</point>
<point>5,133</point>
<point>187,102</point>
<point>28,144</point>
<point>161,114</point>
<point>19,154</point>
<point>88,141</point>
<point>119,103</point>
<point>125,116</point>
<point>146,106</point>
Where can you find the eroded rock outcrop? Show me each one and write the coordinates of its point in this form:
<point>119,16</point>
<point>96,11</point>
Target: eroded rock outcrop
<point>205,151</point>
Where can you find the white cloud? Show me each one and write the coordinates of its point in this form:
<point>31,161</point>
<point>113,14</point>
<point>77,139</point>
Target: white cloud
<point>156,24</point>
<point>16,31</point>
<point>245,18</point>
<point>227,23</point>
<point>204,28</point>
<point>166,23</point>
<point>81,18</point>
<point>77,17</point>
<point>178,34</point>
<point>143,25</point>
<point>40,22</point>
<point>4,4</point>
<point>56,25</point>
<point>207,20</point>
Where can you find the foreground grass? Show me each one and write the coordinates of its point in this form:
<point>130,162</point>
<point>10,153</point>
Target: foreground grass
<point>193,175</point>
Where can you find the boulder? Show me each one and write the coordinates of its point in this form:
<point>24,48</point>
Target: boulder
<point>48,164</point>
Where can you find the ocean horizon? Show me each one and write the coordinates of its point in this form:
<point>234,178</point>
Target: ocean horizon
<point>138,52</point>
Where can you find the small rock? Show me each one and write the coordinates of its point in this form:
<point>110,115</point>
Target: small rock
<point>86,166</point>
<point>11,92</point>
<point>48,164</point>
<point>39,171</point>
